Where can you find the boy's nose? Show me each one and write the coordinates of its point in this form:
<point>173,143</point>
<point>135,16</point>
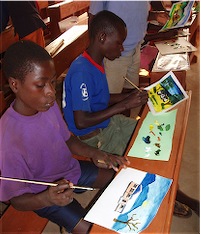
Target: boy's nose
<point>51,91</point>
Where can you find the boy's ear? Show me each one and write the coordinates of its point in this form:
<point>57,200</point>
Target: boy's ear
<point>13,83</point>
<point>102,37</point>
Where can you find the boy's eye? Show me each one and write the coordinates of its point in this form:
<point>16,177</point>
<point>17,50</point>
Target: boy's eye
<point>40,85</point>
<point>53,82</point>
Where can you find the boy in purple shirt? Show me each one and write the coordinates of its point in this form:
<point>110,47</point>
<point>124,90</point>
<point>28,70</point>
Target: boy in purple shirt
<point>37,145</point>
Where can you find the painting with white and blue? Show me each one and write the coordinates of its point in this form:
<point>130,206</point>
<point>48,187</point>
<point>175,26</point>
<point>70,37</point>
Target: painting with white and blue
<point>145,207</point>
<point>130,202</point>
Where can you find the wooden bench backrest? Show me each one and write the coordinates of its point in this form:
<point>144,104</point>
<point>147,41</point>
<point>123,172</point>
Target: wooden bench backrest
<point>7,38</point>
<point>58,12</point>
<point>76,41</point>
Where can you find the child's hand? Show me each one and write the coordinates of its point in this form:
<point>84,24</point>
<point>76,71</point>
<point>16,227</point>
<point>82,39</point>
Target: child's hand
<point>135,99</point>
<point>106,160</point>
<point>61,194</point>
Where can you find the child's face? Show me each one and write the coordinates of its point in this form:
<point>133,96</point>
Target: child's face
<point>37,91</point>
<point>113,45</point>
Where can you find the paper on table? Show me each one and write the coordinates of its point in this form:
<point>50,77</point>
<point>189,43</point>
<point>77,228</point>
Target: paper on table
<point>171,62</point>
<point>175,46</point>
<point>154,139</point>
<point>141,207</point>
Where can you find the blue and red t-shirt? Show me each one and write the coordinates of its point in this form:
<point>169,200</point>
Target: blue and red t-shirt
<point>85,89</point>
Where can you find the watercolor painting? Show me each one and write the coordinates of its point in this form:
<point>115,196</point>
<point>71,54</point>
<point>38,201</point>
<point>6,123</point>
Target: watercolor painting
<point>165,94</point>
<point>179,15</point>
<point>142,201</point>
<point>154,139</point>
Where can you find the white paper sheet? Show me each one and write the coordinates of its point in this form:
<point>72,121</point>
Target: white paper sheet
<point>140,209</point>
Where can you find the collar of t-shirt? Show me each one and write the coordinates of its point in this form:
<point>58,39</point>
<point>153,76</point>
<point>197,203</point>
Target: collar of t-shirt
<point>88,57</point>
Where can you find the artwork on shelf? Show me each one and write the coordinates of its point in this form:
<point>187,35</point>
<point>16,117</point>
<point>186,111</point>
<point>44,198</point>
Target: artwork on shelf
<point>154,139</point>
<point>130,202</point>
<point>175,46</point>
<point>171,62</point>
<point>179,15</point>
<point>165,94</point>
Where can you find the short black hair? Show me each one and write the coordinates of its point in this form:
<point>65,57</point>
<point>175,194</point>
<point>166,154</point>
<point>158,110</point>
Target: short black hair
<point>105,21</point>
<point>20,57</point>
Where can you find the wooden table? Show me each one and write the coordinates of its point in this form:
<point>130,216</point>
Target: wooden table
<point>170,169</point>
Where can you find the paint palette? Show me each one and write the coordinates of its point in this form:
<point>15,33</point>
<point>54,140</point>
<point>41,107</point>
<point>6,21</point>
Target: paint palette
<point>175,46</point>
<point>154,139</point>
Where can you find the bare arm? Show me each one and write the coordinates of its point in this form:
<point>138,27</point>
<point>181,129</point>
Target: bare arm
<point>118,97</point>
<point>87,119</point>
<point>79,148</point>
<point>59,195</point>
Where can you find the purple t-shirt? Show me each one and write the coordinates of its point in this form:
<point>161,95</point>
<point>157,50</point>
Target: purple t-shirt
<point>34,148</point>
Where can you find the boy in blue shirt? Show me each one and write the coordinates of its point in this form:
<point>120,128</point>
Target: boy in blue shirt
<point>91,112</point>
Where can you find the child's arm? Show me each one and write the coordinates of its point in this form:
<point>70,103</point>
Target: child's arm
<point>59,195</point>
<point>100,158</point>
<point>84,119</point>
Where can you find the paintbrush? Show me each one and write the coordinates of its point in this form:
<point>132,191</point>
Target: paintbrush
<point>43,183</point>
<point>134,85</point>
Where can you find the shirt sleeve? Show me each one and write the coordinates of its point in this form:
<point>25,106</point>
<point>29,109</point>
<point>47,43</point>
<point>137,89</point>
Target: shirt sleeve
<point>82,90</point>
<point>15,167</point>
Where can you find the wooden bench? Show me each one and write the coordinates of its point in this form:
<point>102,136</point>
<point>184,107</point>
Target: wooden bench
<point>42,7</point>
<point>75,41</point>
<point>60,11</point>
<point>7,38</point>
<point>14,221</point>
